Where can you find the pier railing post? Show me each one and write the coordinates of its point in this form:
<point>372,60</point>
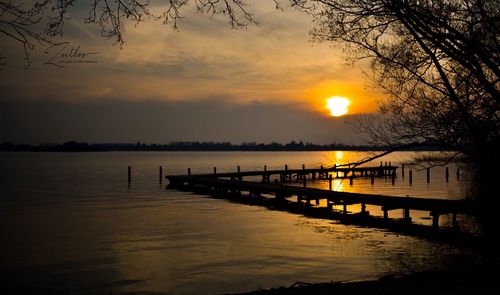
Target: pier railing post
<point>411,176</point>
<point>304,171</point>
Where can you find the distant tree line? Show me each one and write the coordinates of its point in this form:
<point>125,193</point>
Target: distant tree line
<point>74,146</point>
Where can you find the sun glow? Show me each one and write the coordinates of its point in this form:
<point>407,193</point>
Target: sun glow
<point>337,105</point>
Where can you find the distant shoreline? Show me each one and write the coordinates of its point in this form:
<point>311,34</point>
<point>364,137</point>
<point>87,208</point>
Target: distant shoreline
<point>73,146</point>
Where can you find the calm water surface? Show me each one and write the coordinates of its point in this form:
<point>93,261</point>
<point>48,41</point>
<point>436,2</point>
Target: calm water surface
<point>71,225</point>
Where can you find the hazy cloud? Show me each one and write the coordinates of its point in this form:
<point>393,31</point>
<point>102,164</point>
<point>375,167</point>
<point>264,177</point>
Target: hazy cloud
<point>162,122</point>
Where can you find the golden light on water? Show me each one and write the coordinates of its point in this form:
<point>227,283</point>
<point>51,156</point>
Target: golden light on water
<point>338,105</point>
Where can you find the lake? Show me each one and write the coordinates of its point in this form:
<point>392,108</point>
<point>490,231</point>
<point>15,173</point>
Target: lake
<point>70,224</point>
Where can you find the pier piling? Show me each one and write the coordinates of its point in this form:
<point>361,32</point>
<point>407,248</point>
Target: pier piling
<point>447,174</point>
<point>129,175</point>
<point>161,174</point>
<point>428,175</point>
<point>411,176</point>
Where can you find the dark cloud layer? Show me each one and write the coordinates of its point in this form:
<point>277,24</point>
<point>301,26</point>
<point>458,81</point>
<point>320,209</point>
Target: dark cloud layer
<point>162,122</point>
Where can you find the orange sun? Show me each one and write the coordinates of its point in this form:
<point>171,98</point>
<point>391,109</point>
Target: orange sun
<point>337,105</point>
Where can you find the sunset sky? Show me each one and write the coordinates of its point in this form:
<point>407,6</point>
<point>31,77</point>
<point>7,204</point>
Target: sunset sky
<point>203,82</point>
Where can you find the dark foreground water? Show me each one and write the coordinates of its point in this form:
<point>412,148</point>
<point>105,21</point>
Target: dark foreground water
<point>70,224</point>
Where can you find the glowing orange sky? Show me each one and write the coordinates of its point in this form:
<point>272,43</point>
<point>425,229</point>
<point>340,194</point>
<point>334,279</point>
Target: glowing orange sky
<point>205,58</point>
<point>273,63</point>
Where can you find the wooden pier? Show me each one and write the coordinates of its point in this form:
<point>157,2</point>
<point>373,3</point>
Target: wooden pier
<point>301,199</point>
<point>300,174</point>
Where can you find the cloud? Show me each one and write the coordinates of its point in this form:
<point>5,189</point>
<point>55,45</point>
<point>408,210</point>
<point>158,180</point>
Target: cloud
<point>203,82</point>
<point>162,122</point>
<point>271,62</point>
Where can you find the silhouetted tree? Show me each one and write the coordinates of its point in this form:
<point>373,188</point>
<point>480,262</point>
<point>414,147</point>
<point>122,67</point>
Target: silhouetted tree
<point>439,62</point>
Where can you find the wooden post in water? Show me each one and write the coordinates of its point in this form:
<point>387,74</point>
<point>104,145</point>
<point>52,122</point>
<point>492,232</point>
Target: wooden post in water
<point>265,168</point>
<point>330,182</point>
<point>215,170</point>
<point>239,169</point>
<point>351,179</point>
<point>406,215</point>
<point>161,174</point>
<point>189,171</point>
<point>129,175</point>
<point>411,178</point>
<point>435,220</point>
<point>458,174</point>
<point>428,175</point>
<point>403,170</point>
<point>393,177</point>
<point>447,174</point>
